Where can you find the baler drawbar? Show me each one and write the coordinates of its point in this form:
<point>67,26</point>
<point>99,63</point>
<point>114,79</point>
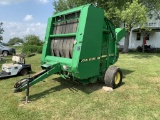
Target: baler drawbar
<point>80,44</point>
<point>48,71</point>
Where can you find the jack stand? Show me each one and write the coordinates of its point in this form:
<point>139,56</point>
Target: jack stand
<point>27,92</point>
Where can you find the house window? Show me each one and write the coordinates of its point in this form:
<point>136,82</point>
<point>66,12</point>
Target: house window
<point>147,36</point>
<point>138,36</point>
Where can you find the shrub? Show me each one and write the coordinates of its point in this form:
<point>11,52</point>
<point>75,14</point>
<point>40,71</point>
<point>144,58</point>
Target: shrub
<point>32,40</point>
<point>39,49</point>
<point>32,49</point>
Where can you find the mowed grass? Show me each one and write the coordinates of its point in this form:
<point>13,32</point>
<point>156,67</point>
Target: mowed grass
<point>138,98</point>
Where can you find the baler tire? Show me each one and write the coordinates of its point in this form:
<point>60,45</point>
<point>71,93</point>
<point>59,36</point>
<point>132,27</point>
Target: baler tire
<point>5,53</point>
<point>24,72</point>
<point>113,77</point>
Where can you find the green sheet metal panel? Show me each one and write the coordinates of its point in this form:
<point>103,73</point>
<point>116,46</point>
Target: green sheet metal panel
<point>120,33</point>
<point>88,69</point>
<point>89,40</point>
<point>92,34</point>
<point>65,61</point>
<point>79,37</point>
<point>47,41</point>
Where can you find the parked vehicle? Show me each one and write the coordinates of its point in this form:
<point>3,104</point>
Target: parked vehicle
<point>147,48</point>
<point>7,50</point>
<point>18,67</point>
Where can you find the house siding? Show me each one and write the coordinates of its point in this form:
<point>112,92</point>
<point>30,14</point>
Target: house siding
<point>154,40</point>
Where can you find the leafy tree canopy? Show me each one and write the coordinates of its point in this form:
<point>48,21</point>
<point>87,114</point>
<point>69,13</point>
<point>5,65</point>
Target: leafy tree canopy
<point>32,40</point>
<point>113,8</point>
<point>15,40</point>
<point>1,31</point>
<point>135,14</point>
<point>131,12</point>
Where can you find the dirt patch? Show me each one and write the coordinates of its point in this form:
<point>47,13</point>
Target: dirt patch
<point>154,79</point>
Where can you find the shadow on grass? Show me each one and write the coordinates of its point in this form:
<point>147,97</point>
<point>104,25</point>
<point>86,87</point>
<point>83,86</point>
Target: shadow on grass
<point>140,55</point>
<point>7,77</point>
<point>125,72</point>
<point>68,84</point>
<point>71,85</point>
<point>14,76</point>
<point>32,72</point>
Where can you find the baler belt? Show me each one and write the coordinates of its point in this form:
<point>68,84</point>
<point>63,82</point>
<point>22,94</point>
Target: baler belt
<point>59,47</point>
<point>63,48</point>
<point>55,29</point>
<point>52,46</point>
<point>66,48</point>
<point>63,25</point>
<point>71,47</point>
<point>75,24</point>
<point>58,29</point>
<point>56,47</point>
<point>68,29</point>
<point>69,26</point>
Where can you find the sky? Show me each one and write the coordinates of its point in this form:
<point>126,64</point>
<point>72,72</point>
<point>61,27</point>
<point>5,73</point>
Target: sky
<point>24,17</point>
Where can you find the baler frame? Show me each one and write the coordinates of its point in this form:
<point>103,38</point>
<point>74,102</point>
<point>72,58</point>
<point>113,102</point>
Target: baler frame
<point>69,44</point>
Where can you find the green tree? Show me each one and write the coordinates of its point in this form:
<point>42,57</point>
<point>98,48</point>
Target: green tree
<point>135,13</point>
<point>111,7</point>
<point>62,5</point>
<point>15,40</point>
<point>152,5</point>
<point>1,31</point>
<point>132,13</point>
<point>32,40</point>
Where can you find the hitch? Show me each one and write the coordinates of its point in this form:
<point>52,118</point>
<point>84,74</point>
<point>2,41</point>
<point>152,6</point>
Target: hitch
<point>22,84</point>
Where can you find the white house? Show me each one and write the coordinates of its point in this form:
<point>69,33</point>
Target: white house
<point>18,44</point>
<point>152,37</point>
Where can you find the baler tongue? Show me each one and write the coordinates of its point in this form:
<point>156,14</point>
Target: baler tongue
<point>48,71</point>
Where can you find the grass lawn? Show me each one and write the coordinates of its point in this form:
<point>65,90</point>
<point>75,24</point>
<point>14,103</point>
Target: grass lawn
<point>137,99</point>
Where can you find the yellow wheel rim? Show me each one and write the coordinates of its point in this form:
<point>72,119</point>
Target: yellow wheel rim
<point>117,78</point>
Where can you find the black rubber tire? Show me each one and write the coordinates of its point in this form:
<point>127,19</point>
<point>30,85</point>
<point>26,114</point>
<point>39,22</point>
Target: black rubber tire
<point>5,53</point>
<point>111,75</point>
<point>24,72</point>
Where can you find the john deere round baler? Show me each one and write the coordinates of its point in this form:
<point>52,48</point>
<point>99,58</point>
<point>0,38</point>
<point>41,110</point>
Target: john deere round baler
<point>79,44</point>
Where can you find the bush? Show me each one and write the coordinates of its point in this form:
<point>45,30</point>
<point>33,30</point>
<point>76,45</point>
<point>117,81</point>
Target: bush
<point>32,40</point>
<point>32,49</point>
<point>39,49</point>
<point>158,50</point>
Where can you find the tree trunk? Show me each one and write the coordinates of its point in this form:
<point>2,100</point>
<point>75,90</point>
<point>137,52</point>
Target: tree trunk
<point>143,41</point>
<point>126,43</point>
